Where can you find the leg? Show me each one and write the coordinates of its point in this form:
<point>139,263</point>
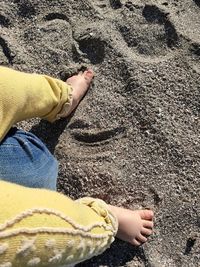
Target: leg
<point>25,160</point>
<point>32,164</point>
<point>134,226</point>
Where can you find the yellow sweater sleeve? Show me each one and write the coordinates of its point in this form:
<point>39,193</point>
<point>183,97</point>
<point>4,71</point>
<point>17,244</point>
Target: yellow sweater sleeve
<point>24,96</point>
<point>44,228</point>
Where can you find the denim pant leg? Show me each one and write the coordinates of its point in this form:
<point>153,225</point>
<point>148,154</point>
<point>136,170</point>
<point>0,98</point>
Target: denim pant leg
<point>25,160</point>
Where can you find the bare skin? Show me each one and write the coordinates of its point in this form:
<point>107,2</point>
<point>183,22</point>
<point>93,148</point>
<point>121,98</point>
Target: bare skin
<point>80,84</point>
<point>134,226</point>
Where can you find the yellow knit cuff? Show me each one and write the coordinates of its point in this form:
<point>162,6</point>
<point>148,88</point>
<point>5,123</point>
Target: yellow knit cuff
<point>64,112</point>
<point>101,208</point>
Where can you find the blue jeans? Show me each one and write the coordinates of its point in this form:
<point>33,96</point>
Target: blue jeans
<point>25,160</point>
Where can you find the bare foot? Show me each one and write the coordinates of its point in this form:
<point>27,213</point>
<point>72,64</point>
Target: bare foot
<point>80,84</point>
<point>134,226</point>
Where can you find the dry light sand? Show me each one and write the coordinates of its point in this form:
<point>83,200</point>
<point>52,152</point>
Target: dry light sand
<point>135,138</point>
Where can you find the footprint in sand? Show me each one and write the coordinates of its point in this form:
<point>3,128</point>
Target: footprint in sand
<point>145,32</point>
<point>56,30</point>
<point>53,36</point>
<point>149,33</point>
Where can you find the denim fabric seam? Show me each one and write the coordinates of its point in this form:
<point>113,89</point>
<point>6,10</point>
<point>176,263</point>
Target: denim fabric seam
<point>14,145</point>
<point>9,145</point>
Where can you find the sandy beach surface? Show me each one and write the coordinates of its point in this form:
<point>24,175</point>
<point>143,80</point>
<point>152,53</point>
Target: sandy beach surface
<point>134,141</point>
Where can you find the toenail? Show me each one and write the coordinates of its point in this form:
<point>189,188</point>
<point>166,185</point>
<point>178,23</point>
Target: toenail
<point>89,72</point>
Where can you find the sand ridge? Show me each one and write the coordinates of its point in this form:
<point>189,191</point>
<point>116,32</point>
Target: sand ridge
<point>134,140</point>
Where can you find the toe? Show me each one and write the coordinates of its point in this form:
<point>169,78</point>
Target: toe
<point>135,242</point>
<point>89,74</point>
<point>146,214</point>
<point>142,238</point>
<point>146,231</point>
<point>147,224</point>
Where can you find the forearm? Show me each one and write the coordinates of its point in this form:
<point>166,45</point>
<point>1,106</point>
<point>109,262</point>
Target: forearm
<point>47,227</point>
<point>24,96</point>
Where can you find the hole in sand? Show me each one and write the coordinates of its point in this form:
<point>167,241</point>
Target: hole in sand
<point>92,137</point>
<point>4,21</point>
<point>26,9</point>
<point>197,2</point>
<point>94,48</point>
<point>115,4</point>
<point>195,49</point>
<point>53,16</point>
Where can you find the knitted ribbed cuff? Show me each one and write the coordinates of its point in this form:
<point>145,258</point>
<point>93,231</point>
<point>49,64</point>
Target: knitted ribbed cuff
<point>65,110</point>
<point>101,208</point>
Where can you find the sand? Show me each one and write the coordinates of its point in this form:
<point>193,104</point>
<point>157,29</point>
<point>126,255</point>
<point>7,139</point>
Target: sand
<point>135,139</point>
